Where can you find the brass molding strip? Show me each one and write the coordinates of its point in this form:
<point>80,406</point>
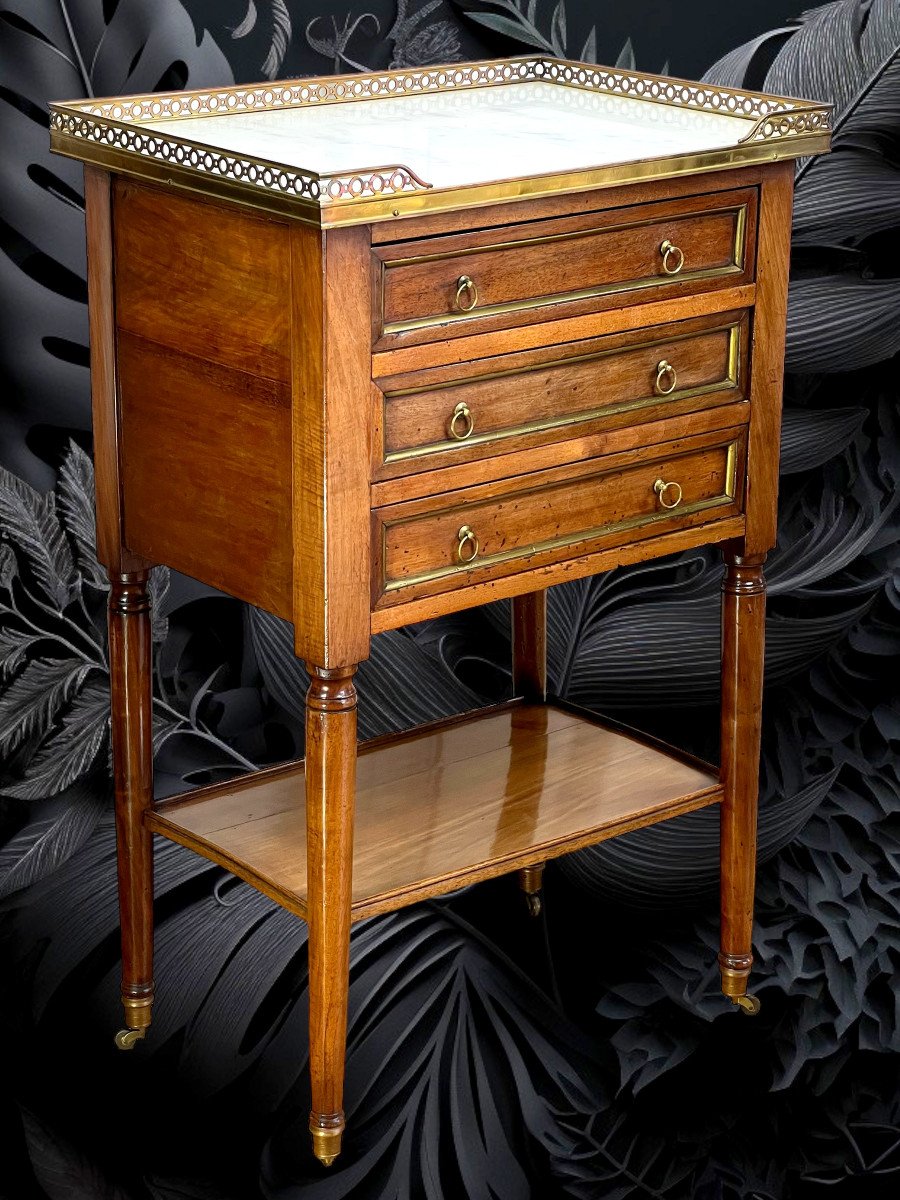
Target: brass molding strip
<point>726,497</point>
<point>728,382</point>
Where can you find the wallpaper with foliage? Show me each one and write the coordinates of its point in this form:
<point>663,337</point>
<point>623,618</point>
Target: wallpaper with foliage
<point>586,1054</point>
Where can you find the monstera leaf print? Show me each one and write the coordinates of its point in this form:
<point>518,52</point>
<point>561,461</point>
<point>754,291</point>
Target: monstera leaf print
<point>57,50</point>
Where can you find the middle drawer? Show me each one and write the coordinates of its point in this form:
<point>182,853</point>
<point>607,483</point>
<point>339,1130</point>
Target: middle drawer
<point>435,418</point>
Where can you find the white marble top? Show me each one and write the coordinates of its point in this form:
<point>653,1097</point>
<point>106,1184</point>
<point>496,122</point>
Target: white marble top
<point>471,136</point>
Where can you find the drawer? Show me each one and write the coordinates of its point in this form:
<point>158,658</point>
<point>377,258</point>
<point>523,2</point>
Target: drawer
<point>461,537</point>
<point>446,286</point>
<point>434,418</point>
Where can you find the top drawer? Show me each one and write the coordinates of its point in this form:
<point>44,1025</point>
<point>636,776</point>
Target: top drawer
<point>492,279</point>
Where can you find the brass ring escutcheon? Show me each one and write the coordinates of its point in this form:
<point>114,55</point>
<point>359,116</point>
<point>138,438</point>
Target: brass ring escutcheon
<point>467,550</point>
<point>671,254</point>
<point>462,413</point>
<point>661,487</point>
<point>466,287</point>
<point>664,369</point>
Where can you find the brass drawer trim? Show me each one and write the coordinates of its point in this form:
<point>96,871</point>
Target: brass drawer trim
<point>730,380</point>
<point>735,267</point>
<point>726,497</point>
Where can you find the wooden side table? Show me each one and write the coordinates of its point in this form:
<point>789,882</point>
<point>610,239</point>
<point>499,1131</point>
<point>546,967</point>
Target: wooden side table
<point>359,396</point>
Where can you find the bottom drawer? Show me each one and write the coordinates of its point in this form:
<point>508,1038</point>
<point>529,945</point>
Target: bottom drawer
<point>450,540</point>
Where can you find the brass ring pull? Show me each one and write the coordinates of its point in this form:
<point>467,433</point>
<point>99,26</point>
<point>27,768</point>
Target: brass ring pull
<point>660,487</point>
<point>466,287</point>
<point>462,422</point>
<point>665,370</point>
<point>670,253</point>
<point>467,539</point>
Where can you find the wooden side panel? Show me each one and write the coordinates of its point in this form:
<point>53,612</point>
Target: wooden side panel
<point>767,370</point>
<point>331,309</point>
<point>104,383</point>
<point>207,471</point>
<point>203,278</point>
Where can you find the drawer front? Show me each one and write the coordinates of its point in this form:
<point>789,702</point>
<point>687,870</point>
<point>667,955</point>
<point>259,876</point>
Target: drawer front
<point>434,418</point>
<point>461,537</point>
<point>492,279</point>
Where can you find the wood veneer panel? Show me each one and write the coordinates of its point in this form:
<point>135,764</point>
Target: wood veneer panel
<point>207,471</point>
<point>448,806</point>
<point>204,278</point>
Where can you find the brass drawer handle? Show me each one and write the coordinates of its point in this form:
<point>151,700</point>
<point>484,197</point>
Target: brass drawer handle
<point>467,539</point>
<point>660,487</point>
<point>671,254</point>
<point>466,287</point>
<point>665,370</point>
<point>462,422</point>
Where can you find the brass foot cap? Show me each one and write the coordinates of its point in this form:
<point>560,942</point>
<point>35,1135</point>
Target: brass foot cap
<point>749,1005</point>
<point>126,1038</point>
<point>326,1144</point>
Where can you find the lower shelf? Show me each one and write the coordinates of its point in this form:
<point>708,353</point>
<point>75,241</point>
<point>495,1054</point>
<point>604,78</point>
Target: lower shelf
<point>446,805</point>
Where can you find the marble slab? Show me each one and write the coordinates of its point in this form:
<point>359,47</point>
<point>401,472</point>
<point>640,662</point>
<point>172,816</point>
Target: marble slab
<point>471,136</point>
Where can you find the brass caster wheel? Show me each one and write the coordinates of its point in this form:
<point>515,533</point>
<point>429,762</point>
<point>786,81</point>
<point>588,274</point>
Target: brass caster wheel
<point>533,900</point>
<point>126,1038</point>
<point>749,1005</point>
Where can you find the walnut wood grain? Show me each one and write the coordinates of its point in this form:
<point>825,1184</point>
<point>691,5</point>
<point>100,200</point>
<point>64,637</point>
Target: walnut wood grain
<point>532,520</point>
<point>767,377</point>
<point>111,548</point>
<point>554,330</point>
<point>445,415</point>
<point>207,471</point>
<point>577,264</point>
<point>557,454</point>
<point>440,808</point>
<point>130,648</point>
<point>529,646</point>
<point>694,531</point>
<point>330,783</point>
<point>330,303</point>
<point>204,278</point>
<point>743,637</point>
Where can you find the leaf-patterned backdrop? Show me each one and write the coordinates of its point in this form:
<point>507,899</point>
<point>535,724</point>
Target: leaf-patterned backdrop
<point>585,1054</point>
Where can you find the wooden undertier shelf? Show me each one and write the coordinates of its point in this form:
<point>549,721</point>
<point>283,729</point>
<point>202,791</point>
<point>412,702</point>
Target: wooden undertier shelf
<point>446,805</point>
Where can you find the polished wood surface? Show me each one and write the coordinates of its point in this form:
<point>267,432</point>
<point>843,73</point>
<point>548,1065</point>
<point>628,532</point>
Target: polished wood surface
<point>111,548</point>
<point>578,264</point>
<point>535,519</point>
<point>203,278</point>
<point>441,808</point>
<point>330,783</point>
<point>555,329</point>
<point>508,402</point>
<point>743,641</point>
<point>130,676</point>
<point>331,444</point>
<point>770,319</point>
<point>195,436</point>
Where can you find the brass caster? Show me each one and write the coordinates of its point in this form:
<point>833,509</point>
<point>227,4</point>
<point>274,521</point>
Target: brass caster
<point>126,1038</point>
<point>533,900</point>
<point>326,1144</point>
<point>749,1005</point>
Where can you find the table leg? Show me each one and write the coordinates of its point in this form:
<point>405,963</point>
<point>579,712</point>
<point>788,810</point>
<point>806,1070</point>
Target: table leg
<point>743,642</point>
<point>529,680</point>
<point>130,673</point>
<point>330,800</point>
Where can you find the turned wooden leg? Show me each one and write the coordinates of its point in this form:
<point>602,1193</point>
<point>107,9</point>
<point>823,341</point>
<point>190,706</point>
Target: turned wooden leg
<point>330,799</point>
<point>743,640</point>
<point>132,741</point>
<point>529,647</point>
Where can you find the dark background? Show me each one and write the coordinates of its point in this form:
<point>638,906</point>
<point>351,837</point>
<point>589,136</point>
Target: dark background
<point>588,1053</point>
